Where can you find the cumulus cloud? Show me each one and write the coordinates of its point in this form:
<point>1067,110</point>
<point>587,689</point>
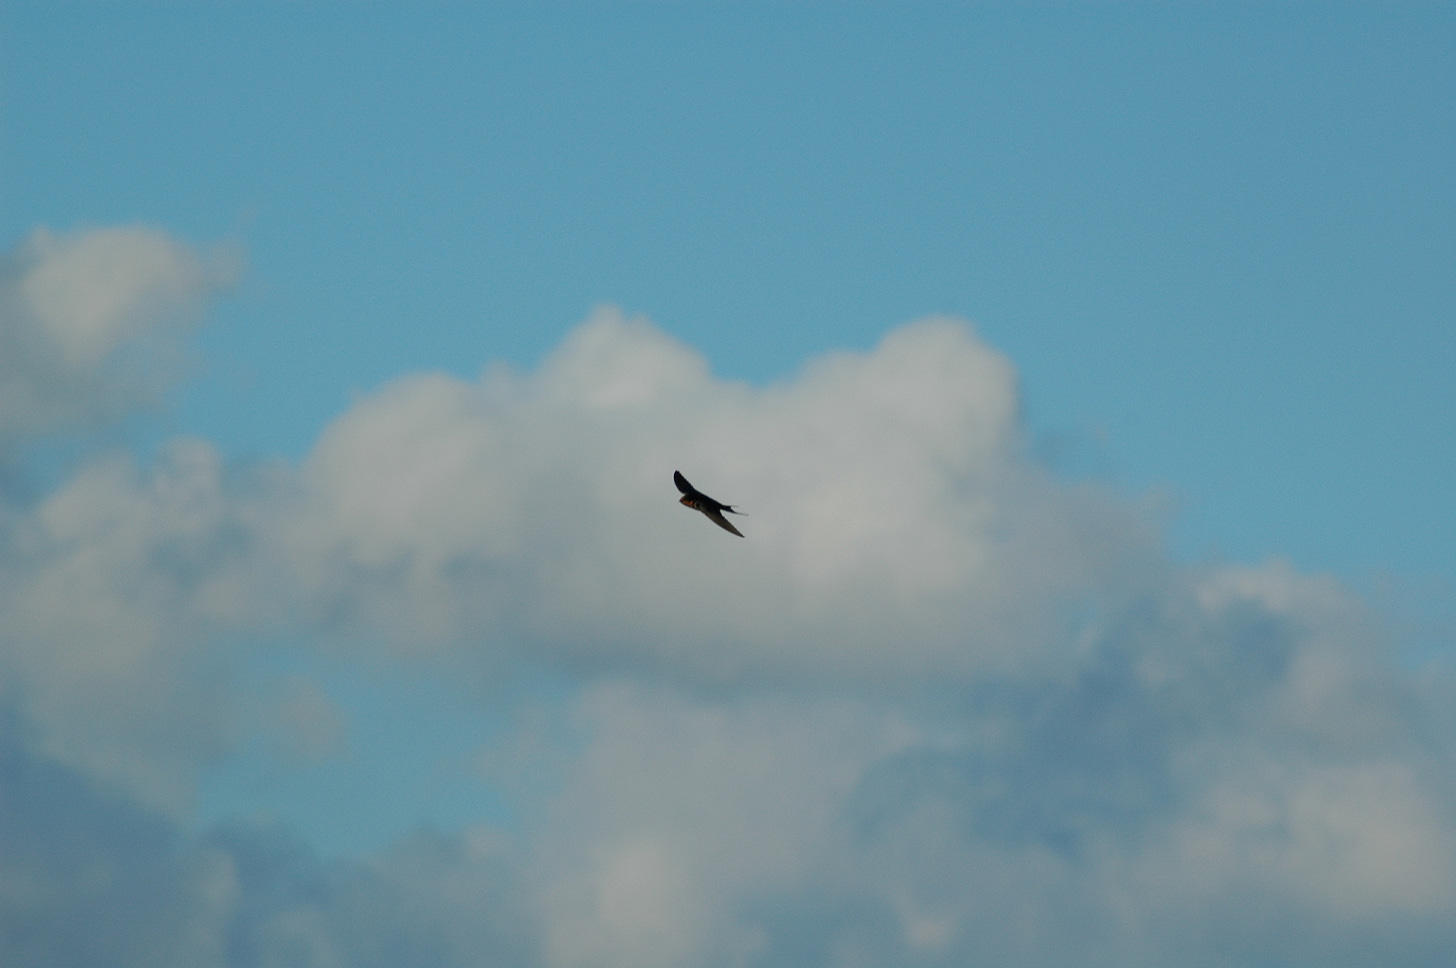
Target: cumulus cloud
<point>681,816</point>
<point>937,708</point>
<point>117,592</point>
<point>91,324</point>
<point>112,585</point>
<point>897,528</point>
<point>1217,779</point>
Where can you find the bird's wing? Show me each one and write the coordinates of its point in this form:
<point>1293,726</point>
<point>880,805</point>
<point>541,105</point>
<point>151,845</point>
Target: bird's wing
<point>717,518</point>
<point>682,483</point>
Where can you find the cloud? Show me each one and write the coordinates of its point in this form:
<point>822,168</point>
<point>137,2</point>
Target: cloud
<point>91,324</point>
<point>88,877</point>
<point>114,585</point>
<point>1218,778</point>
<point>679,814</point>
<point>91,878</point>
<point>119,593</point>
<point>897,528</point>
<point>938,708</point>
<point>1062,745</point>
<point>309,725</point>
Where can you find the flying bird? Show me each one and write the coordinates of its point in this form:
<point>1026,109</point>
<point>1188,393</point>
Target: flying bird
<point>699,501</point>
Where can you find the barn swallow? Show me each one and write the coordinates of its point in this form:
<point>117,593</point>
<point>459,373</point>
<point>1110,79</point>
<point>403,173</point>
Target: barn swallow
<point>699,501</point>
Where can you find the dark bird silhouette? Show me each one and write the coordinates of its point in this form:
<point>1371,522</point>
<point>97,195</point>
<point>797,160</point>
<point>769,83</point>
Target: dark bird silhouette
<point>699,501</point>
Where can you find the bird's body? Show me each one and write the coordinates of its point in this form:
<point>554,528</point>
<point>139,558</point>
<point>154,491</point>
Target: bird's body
<point>698,501</point>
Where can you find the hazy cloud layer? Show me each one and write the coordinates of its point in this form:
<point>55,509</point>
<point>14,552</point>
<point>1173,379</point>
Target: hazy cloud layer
<point>937,708</point>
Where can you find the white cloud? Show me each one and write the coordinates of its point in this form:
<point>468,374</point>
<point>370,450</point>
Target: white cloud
<point>895,527</point>
<point>117,593</point>
<point>91,324</point>
<point>1104,816</point>
<point>677,812</point>
<point>1353,840</point>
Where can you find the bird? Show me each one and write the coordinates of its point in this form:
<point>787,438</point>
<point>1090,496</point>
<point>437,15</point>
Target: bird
<point>698,501</point>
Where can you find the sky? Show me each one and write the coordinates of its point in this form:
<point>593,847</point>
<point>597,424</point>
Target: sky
<point>1082,370</point>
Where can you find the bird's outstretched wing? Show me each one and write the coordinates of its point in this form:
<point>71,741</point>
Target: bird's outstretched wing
<point>682,483</point>
<point>717,518</point>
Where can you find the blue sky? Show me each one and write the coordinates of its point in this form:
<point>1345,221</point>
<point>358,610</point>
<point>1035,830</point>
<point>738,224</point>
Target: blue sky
<point>1241,214</point>
<point>347,353</point>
